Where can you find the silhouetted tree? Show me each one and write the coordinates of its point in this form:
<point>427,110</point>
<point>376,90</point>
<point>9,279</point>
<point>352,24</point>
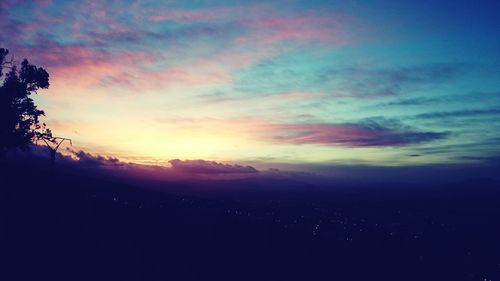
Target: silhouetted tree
<point>19,116</point>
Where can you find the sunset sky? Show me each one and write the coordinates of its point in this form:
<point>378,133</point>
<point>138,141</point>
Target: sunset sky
<point>267,82</point>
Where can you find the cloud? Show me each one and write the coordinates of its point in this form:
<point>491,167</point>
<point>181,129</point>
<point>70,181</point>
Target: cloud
<point>366,134</point>
<point>477,147</point>
<point>87,159</point>
<point>458,113</point>
<point>493,159</point>
<point>5,5</point>
<point>289,175</point>
<point>44,2</point>
<point>189,16</point>
<point>69,157</point>
<point>351,82</point>
<point>303,27</point>
<point>209,167</point>
<point>168,45</point>
<point>281,97</point>
<point>412,101</point>
<point>82,67</point>
<point>470,97</point>
<point>372,82</point>
<point>261,23</point>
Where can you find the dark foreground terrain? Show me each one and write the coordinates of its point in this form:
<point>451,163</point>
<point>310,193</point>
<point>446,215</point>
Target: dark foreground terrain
<point>77,226</point>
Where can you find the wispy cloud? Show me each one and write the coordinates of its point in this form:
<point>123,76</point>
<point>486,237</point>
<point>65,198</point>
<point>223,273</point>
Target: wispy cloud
<point>368,134</point>
<point>458,113</point>
<point>470,97</point>
<point>375,82</point>
<point>306,28</point>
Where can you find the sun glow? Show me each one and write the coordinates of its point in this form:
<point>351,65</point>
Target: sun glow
<point>189,145</point>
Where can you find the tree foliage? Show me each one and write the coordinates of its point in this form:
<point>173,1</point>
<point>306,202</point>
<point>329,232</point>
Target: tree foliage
<point>19,116</point>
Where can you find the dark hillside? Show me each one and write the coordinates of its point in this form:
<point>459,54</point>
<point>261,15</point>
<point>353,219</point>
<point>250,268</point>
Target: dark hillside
<point>83,226</point>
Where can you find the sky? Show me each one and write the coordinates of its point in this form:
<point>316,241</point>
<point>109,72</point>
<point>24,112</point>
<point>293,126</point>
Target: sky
<point>267,82</point>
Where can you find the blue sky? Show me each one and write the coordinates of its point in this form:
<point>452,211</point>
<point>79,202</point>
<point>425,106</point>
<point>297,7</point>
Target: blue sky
<point>300,82</point>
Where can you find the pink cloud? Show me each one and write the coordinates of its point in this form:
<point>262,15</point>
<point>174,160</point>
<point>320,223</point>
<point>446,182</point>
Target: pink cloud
<point>92,61</point>
<point>306,27</point>
<point>187,15</point>
<point>266,25</point>
<point>81,66</point>
<point>208,14</point>
<point>85,67</point>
